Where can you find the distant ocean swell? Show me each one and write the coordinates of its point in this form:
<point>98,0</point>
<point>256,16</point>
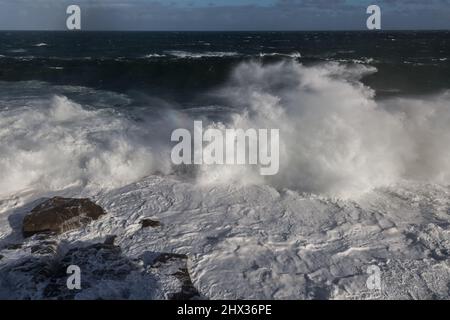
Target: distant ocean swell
<point>335,138</point>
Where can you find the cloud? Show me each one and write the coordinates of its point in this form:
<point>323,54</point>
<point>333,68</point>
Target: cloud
<point>224,15</point>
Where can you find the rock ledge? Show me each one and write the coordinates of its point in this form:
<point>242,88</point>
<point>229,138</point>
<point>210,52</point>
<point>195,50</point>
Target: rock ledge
<point>58,215</point>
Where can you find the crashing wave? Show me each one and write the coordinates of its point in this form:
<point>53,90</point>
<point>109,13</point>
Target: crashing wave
<point>336,139</point>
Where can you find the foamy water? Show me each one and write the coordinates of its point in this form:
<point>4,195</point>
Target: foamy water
<point>335,138</point>
<point>362,182</point>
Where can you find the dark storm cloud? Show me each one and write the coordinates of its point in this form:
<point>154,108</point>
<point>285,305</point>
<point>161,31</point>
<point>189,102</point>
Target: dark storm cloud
<point>225,15</point>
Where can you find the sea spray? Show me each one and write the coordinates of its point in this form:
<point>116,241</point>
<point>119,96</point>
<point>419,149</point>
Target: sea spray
<point>336,139</point>
<point>227,147</point>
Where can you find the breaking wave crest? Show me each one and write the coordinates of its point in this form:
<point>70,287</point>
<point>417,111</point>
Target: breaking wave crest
<point>55,143</point>
<point>336,139</point>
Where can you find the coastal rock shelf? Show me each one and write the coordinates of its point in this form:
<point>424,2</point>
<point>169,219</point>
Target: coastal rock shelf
<point>58,215</point>
<point>43,260</point>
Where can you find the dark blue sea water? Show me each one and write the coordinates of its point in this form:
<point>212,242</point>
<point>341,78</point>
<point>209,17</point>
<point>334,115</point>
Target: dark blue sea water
<point>180,65</point>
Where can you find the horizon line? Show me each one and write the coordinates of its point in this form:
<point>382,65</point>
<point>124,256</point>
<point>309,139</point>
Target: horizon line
<point>196,30</point>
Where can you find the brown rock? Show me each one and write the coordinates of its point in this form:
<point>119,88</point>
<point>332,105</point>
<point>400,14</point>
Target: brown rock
<point>59,215</point>
<point>150,223</point>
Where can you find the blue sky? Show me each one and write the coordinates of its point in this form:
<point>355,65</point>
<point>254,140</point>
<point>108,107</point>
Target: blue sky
<point>224,14</point>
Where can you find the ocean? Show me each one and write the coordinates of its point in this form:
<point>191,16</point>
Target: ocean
<point>364,159</point>
<point>183,65</point>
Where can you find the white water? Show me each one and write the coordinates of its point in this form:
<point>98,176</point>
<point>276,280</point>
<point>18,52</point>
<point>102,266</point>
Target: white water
<point>385,163</point>
<point>335,138</point>
<point>199,55</point>
<point>54,143</point>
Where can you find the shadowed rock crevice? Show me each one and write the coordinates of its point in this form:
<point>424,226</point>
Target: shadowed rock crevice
<point>106,273</point>
<point>101,265</point>
<point>188,291</point>
<point>174,265</point>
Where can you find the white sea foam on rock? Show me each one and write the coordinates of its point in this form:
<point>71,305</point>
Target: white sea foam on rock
<point>362,182</point>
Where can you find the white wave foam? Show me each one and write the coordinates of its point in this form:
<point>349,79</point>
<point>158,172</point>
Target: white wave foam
<point>363,60</point>
<point>20,50</point>
<point>199,55</point>
<point>154,55</point>
<point>293,55</point>
<point>54,144</point>
<point>335,139</point>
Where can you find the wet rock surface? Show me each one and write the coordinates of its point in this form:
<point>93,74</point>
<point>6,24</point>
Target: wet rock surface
<point>45,247</point>
<point>40,269</point>
<point>105,273</point>
<point>177,263</point>
<point>101,265</point>
<point>148,223</point>
<point>58,215</point>
<point>14,246</point>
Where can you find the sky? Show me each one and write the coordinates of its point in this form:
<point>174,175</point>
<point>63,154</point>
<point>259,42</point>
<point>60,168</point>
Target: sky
<point>211,15</point>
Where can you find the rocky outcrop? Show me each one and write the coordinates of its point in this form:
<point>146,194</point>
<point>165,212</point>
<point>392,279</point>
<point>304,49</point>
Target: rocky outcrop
<point>101,265</point>
<point>59,215</point>
<point>146,223</point>
<point>46,247</point>
<point>105,273</point>
<point>178,264</point>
